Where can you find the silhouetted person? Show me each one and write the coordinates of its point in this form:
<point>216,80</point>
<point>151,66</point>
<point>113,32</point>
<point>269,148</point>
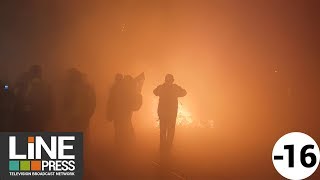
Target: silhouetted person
<point>79,102</point>
<point>33,107</point>
<point>113,102</point>
<point>167,110</point>
<point>6,107</point>
<point>19,109</point>
<point>38,99</point>
<point>114,106</point>
<point>123,100</point>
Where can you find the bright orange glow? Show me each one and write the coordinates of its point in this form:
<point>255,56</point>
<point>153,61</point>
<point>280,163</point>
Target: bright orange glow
<point>184,116</point>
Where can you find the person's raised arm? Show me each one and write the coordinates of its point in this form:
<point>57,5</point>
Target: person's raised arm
<point>181,92</point>
<point>156,91</point>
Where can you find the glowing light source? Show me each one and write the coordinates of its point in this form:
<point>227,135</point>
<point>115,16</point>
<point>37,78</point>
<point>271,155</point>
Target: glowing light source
<point>184,117</point>
<point>6,88</point>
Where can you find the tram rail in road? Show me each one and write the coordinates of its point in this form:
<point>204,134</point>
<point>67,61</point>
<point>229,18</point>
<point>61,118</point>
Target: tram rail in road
<point>177,174</point>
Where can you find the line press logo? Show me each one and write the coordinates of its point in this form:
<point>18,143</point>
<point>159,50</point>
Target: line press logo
<point>41,155</point>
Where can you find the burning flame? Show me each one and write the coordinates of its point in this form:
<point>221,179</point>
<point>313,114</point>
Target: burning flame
<point>184,117</point>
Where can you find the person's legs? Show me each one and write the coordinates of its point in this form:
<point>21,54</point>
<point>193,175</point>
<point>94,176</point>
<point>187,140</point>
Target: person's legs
<point>117,132</point>
<point>171,131</point>
<point>163,134</point>
<point>131,135</point>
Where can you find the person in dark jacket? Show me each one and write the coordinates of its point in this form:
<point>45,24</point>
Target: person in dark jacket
<point>167,110</point>
<point>123,100</point>
<point>6,107</point>
<point>33,107</point>
<point>78,103</point>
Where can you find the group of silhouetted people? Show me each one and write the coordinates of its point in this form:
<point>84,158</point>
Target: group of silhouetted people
<point>125,98</point>
<point>30,105</point>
